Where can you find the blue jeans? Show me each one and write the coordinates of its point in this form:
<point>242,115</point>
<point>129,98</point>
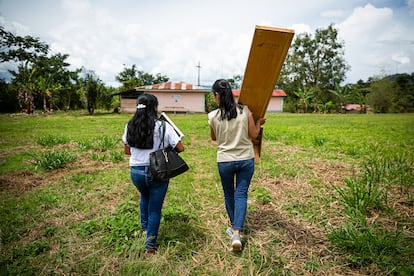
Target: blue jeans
<point>152,196</point>
<point>235,193</point>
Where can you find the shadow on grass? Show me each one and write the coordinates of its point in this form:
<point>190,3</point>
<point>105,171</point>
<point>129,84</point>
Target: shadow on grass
<point>178,230</point>
<point>270,220</point>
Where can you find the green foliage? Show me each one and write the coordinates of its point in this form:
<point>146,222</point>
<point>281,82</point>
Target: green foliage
<point>262,195</point>
<point>53,159</point>
<point>319,141</point>
<point>84,145</point>
<point>236,81</point>
<point>112,156</point>
<point>360,196</point>
<point>131,78</point>
<point>370,190</point>
<point>20,49</point>
<point>104,143</point>
<point>403,100</point>
<point>381,96</point>
<point>24,255</point>
<point>123,226</point>
<point>315,62</point>
<point>33,249</point>
<point>365,245</point>
<point>210,102</point>
<point>8,96</point>
<point>91,86</point>
<point>51,140</point>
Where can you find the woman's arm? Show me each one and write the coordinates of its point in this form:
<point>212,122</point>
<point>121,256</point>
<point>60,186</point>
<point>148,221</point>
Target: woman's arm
<point>127,149</point>
<point>212,134</point>
<point>254,127</point>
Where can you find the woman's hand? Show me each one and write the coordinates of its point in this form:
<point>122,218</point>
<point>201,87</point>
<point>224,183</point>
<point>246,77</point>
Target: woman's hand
<point>179,147</point>
<point>261,121</point>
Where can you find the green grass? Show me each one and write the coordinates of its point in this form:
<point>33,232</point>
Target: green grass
<point>333,194</point>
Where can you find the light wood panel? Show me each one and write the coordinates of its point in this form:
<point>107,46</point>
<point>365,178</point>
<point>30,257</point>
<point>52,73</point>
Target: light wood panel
<point>267,55</point>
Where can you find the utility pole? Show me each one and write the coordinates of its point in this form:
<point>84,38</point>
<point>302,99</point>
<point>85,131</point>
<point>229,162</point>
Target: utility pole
<point>198,80</point>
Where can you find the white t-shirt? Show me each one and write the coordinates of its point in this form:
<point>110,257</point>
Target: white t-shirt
<point>233,140</point>
<point>140,157</point>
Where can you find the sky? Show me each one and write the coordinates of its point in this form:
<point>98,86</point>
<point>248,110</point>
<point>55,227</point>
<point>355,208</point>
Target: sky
<point>173,37</point>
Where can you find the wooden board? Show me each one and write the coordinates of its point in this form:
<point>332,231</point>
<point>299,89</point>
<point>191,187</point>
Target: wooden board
<point>267,55</point>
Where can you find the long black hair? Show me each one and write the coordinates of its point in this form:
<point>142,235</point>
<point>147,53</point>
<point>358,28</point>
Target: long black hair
<point>141,126</point>
<point>227,104</point>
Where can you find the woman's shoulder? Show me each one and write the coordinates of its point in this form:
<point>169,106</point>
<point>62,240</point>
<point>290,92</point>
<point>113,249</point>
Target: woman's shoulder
<point>213,113</point>
<point>245,107</point>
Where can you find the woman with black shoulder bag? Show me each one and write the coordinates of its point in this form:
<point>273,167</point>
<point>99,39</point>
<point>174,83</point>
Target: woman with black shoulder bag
<point>141,137</point>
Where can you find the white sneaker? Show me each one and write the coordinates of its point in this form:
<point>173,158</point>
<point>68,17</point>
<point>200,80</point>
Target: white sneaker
<point>236,244</point>
<point>229,232</point>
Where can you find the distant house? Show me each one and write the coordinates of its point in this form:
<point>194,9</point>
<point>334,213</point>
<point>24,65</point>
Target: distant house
<point>275,103</point>
<point>173,97</point>
<point>356,108</point>
<point>181,97</point>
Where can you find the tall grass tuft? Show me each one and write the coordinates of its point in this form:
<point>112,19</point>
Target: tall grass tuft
<point>361,195</point>
<point>370,191</point>
<point>51,140</point>
<point>104,143</point>
<point>53,159</point>
<point>365,245</point>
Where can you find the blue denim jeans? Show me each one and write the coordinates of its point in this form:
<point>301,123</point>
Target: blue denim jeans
<point>235,179</point>
<point>152,196</point>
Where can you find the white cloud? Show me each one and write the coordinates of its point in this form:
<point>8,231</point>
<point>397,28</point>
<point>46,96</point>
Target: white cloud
<point>171,37</point>
<point>374,39</point>
<point>333,13</point>
<point>301,28</point>
<point>401,58</point>
<point>14,27</point>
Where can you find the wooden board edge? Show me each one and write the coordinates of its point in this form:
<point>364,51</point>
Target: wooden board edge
<point>283,30</point>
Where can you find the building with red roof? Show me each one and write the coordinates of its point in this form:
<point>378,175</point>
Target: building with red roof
<point>275,103</point>
<point>181,97</point>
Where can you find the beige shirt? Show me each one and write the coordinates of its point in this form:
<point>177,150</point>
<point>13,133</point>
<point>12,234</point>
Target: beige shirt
<point>233,141</point>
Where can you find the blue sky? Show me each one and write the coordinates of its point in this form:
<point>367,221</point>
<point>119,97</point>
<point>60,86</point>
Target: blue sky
<point>171,36</point>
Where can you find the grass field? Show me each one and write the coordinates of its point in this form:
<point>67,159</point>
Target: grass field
<point>333,195</point>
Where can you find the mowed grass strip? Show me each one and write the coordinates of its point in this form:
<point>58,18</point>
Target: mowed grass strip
<point>328,194</point>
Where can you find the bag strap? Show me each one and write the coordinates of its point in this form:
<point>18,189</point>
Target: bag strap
<point>162,134</point>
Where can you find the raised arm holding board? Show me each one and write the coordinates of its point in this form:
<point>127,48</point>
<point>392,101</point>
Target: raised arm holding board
<point>267,54</point>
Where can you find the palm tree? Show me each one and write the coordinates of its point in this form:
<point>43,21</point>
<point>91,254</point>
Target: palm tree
<point>304,95</point>
<point>344,95</point>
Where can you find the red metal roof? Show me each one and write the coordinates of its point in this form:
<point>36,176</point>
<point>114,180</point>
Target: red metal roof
<point>275,93</point>
<point>171,85</point>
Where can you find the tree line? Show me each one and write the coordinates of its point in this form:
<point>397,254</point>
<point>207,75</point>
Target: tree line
<point>313,72</point>
<point>311,76</point>
<point>43,81</point>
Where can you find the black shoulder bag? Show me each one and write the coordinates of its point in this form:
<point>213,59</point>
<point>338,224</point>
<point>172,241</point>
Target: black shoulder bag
<point>165,163</point>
